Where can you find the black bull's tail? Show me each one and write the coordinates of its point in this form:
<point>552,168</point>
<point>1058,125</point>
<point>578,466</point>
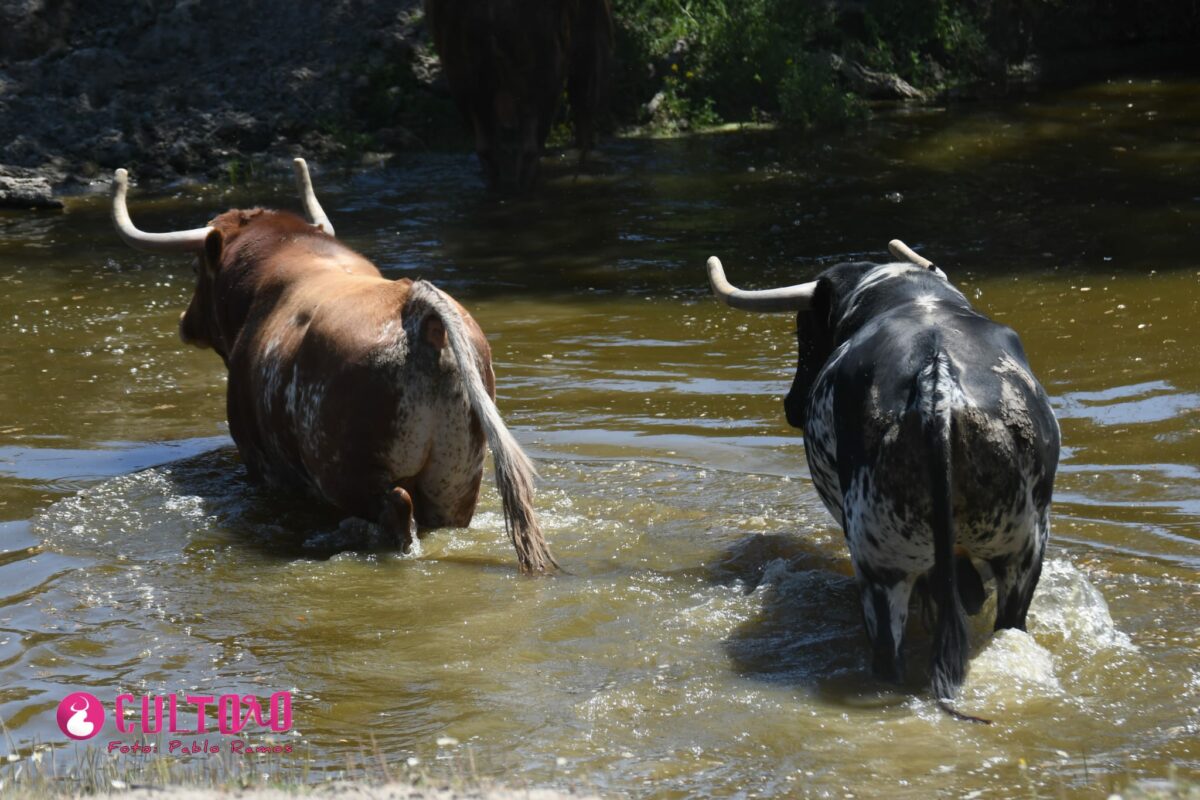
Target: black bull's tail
<point>950,646</point>
<point>515,473</point>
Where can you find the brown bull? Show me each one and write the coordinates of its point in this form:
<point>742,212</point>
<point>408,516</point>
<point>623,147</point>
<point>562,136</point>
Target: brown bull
<point>507,61</point>
<point>375,395</point>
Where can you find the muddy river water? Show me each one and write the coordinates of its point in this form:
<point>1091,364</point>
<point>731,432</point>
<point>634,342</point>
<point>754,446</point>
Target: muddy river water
<point>705,639</point>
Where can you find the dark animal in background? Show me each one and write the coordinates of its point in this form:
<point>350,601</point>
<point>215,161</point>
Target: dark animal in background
<point>507,62</point>
<point>928,439</point>
<point>374,395</point>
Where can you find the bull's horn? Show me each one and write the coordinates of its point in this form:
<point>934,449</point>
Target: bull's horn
<point>165,243</point>
<point>905,253</point>
<point>788,298</point>
<point>311,206</point>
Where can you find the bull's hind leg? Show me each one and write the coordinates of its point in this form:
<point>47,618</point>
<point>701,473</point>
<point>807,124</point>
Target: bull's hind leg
<point>1017,578</point>
<point>397,517</point>
<point>972,592</point>
<point>447,489</point>
<point>448,501</point>
<point>884,595</point>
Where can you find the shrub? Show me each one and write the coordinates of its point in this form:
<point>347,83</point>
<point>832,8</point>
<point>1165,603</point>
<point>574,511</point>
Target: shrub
<point>809,95</point>
<point>733,59</point>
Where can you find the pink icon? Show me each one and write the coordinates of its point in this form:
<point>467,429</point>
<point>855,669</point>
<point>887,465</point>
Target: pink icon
<point>80,715</point>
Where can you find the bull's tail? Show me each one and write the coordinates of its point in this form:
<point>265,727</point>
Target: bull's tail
<point>950,646</point>
<point>515,473</point>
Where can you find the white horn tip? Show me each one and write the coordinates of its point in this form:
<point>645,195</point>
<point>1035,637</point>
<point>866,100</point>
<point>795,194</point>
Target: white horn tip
<point>716,273</point>
<point>721,288</point>
<point>300,168</point>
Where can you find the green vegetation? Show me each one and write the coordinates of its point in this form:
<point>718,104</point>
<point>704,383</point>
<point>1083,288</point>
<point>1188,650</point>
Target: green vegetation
<point>389,98</point>
<point>240,171</point>
<point>686,63</point>
<point>710,60</point>
<point>809,95</point>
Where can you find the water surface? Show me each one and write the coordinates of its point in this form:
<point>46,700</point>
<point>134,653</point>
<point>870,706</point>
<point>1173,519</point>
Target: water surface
<point>706,639</point>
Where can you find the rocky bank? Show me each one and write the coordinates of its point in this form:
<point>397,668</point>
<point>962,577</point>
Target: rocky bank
<point>173,88</point>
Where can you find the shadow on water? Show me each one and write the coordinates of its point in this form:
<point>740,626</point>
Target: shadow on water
<point>1049,185</point>
<point>1028,188</point>
<point>808,631</point>
<point>276,524</point>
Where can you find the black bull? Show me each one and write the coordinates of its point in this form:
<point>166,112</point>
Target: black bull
<point>507,61</point>
<point>928,439</point>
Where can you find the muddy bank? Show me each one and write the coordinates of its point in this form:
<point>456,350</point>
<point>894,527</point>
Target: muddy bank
<point>177,88</point>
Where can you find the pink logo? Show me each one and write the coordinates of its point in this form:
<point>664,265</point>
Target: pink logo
<point>80,715</point>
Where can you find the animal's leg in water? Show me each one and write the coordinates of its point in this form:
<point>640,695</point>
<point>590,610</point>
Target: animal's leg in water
<point>397,517</point>
<point>1015,581</point>
<point>885,612</point>
<point>1017,577</point>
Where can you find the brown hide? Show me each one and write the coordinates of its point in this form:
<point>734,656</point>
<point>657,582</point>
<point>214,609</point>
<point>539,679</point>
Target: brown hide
<point>374,395</point>
<point>507,62</point>
<point>338,384</point>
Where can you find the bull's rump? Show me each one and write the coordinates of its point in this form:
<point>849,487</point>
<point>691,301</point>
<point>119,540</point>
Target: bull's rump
<point>336,392</point>
<point>871,451</point>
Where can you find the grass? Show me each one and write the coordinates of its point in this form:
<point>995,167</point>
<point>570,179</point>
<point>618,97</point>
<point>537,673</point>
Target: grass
<point>39,773</point>
<point>42,773</point>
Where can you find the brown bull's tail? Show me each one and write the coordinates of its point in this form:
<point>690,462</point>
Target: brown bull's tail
<point>950,646</point>
<point>515,473</point>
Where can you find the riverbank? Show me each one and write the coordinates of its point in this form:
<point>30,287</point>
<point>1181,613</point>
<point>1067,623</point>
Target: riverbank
<point>196,91</point>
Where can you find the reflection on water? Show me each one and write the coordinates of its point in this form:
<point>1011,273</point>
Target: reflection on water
<point>705,639</point>
<point>1156,401</point>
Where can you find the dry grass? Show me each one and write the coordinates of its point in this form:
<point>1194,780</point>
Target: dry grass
<point>43,772</point>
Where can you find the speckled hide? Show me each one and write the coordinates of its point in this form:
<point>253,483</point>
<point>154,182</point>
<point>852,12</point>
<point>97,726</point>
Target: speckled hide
<point>371,394</point>
<point>932,444</point>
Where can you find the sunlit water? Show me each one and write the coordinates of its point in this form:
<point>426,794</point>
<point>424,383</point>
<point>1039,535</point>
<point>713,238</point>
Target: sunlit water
<point>705,639</point>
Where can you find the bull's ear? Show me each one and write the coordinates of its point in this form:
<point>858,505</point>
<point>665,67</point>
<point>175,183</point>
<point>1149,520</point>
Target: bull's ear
<point>214,245</point>
<point>814,343</point>
<point>824,305</point>
<point>814,325</point>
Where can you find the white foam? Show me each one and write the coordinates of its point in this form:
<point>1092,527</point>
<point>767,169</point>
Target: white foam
<point>1069,611</point>
<point>1011,669</point>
